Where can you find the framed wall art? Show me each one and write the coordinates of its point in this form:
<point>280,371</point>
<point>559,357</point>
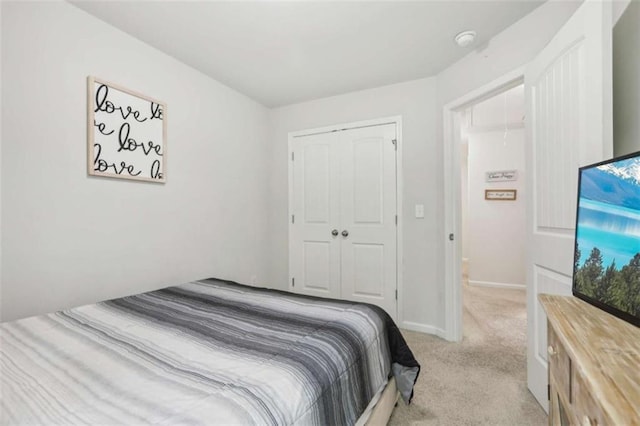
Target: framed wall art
<point>126,133</point>
<point>500,194</point>
<point>501,175</point>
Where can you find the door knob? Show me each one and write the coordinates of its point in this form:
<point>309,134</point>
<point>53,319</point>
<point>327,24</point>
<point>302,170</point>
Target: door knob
<point>334,232</point>
<point>345,233</point>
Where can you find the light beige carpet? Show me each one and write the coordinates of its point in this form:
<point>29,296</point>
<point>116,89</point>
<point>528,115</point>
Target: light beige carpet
<point>481,381</point>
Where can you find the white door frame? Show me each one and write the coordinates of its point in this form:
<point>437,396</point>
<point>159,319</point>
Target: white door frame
<point>397,120</point>
<point>452,208</point>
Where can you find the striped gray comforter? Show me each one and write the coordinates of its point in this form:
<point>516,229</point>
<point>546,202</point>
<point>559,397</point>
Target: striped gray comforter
<point>206,352</point>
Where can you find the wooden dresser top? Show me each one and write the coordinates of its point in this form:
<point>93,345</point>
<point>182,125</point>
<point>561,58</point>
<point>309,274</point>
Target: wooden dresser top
<point>605,350</point>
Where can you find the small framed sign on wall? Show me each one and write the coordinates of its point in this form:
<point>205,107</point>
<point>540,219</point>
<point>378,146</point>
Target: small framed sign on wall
<point>126,133</point>
<point>501,175</point>
<point>500,194</point>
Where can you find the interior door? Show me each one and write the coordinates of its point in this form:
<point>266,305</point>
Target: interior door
<point>368,215</point>
<point>568,92</point>
<point>314,248</point>
<point>343,227</point>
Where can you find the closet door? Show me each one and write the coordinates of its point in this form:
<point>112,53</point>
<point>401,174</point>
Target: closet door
<point>314,250</point>
<point>343,215</point>
<point>368,215</point>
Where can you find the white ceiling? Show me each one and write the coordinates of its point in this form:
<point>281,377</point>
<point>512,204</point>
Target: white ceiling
<point>284,52</point>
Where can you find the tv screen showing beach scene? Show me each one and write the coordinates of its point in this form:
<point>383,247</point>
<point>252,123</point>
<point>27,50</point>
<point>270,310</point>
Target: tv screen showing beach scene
<point>607,252</point>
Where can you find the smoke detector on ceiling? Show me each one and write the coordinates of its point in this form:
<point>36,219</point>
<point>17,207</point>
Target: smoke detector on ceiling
<point>465,38</point>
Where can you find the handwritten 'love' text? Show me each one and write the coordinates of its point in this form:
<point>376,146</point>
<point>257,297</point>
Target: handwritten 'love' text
<point>127,134</point>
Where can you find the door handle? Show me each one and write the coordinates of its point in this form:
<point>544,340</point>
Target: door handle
<point>345,233</point>
<point>334,232</point>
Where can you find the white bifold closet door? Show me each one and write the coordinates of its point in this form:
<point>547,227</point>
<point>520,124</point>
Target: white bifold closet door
<point>343,230</point>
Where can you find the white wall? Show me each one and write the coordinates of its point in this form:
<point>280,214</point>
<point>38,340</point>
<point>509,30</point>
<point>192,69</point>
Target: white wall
<point>626,81</point>
<point>500,111</point>
<point>69,239</point>
<point>415,102</point>
<point>496,228</point>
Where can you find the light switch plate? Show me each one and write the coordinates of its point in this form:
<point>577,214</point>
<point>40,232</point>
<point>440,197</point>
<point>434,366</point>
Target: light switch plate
<point>420,211</point>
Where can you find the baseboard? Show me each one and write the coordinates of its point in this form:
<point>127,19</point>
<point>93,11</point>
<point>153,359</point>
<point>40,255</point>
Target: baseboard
<point>495,284</point>
<point>423,328</point>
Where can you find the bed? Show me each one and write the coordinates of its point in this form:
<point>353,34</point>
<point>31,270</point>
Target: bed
<point>205,352</point>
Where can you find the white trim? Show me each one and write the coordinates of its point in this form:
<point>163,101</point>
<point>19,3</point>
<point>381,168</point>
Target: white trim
<point>289,207</point>
<point>423,328</point>
<point>493,128</point>
<point>399,212</point>
<point>397,120</point>
<point>508,81</point>
<point>453,268</point>
<point>495,284</point>
<point>452,213</point>
<point>346,126</point>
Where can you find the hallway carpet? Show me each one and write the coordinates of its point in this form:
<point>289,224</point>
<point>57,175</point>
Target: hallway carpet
<point>481,381</point>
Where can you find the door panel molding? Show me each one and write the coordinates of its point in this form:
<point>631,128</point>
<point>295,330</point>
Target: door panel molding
<point>546,280</point>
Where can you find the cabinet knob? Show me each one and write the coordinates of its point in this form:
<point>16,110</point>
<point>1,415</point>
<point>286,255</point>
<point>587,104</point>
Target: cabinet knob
<point>551,350</point>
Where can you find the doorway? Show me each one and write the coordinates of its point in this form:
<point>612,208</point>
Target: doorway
<point>454,119</point>
<point>493,207</point>
<point>568,98</point>
<point>493,228</point>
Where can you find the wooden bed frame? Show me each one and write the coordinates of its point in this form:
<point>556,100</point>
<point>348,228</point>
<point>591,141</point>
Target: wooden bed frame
<point>384,407</point>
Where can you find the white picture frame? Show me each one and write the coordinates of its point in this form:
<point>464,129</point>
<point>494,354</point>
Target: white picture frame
<point>126,133</point>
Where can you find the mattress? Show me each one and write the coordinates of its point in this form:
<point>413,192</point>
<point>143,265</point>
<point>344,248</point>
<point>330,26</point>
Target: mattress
<point>205,352</point>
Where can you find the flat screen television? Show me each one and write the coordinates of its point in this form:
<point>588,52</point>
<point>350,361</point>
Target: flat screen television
<point>606,267</point>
